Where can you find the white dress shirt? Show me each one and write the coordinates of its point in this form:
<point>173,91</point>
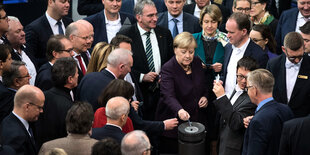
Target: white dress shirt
<point>77,61</point>
<point>128,78</point>
<point>291,76</point>
<point>179,23</point>
<point>112,27</point>
<point>53,24</point>
<point>29,65</point>
<point>236,55</point>
<point>239,91</point>
<point>301,20</point>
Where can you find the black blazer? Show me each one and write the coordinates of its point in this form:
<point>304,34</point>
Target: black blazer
<point>262,137</point>
<point>44,77</point>
<point>190,22</point>
<point>108,131</point>
<point>231,124</point>
<point>89,7</point>
<point>37,34</point>
<point>299,102</point>
<point>283,5</point>
<point>14,134</point>
<point>295,137</point>
<point>51,123</point>
<point>6,101</point>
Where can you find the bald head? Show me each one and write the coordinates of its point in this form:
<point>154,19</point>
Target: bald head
<point>120,62</point>
<point>28,93</point>
<point>90,30</point>
<point>80,35</point>
<point>117,107</point>
<point>135,142</point>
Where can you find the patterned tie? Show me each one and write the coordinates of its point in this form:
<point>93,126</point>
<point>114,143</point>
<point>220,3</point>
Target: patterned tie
<point>175,31</point>
<point>60,27</point>
<point>81,64</point>
<point>149,53</point>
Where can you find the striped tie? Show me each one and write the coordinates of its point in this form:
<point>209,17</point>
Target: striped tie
<point>149,53</point>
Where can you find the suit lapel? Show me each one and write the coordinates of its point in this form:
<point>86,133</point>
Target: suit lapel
<point>140,52</point>
<point>47,26</point>
<point>186,23</point>
<point>282,78</point>
<point>240,99</point>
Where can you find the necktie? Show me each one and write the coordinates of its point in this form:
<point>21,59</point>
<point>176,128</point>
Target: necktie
<point>81,64</point>
<point>175,31</point>
<point>149,53</point>
<point>31,135</point>
<point>60,27</point>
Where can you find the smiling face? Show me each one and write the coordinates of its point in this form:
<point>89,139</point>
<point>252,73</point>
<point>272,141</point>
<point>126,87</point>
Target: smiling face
<point>304,7</point>
<point>148,19</point>
<point>175,7</point>
<point>112,6</point>
<point>16,34</point>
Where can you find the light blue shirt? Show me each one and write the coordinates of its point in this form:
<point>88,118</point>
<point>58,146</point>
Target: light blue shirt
<point>179,23</point>
<point>263,103</point>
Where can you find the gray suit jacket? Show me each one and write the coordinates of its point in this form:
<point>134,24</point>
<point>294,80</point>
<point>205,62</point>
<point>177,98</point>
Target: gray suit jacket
<point>231,125</point>
<point>73,144</point>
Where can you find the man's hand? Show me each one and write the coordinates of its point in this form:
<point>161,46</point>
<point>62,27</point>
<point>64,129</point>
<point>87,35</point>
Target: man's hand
<point>203,102</point>
<point>149,77</point>
<point>218,89</point>
<point>135,105</point>
<point>183,115</point>
<point>217,67</point>
<point>246,121</point>
<point>170,123</point>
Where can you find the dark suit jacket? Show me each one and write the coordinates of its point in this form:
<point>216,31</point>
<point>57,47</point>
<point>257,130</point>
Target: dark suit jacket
<point>252,50</point>
<point>108,131</point>
<point>89,7</point>
<point>231,124</point>
<point>128,6</point>
<point>301,92</point>
<point>190,22</point>
<point>44,77</point>
<point>295,137</point>
<point>286,24</point>
<point>6,101</point>
<point>51,123</point>
<point>262,137</point>
<point>37,34</point>
<point>98,22</point>
<point>14,134</point>
<point>190,8</point>
<point>283,5</point>
<point>6,150</point>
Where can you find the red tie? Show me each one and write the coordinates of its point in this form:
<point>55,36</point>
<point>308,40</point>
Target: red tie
<point>81,64</point>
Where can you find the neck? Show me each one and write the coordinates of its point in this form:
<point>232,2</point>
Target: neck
<point>111,16</point>
<point>68,86</point>
<point>53,61</point>
<point>262,97</point>
<point>259,17</point>
<point>242,42</point>
<point>114,71</point>
<point>51,13</point>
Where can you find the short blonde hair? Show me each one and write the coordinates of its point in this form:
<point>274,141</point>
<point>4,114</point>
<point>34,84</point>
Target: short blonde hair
<point>184,40</point>
<point>99,57</point>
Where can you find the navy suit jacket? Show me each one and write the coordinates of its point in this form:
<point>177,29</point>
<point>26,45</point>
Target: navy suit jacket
<point>6,101</point>
<point>44,77</point>
<point>108,131</point>
<point>286,24</point>
<point>89,7</point>
<point>262,137</point>
<point>99,24</point>
<point>14,134</point>
<point>252,50</point>
<point>37,34</point>
<point>190,22</point>
<point>299,101</point>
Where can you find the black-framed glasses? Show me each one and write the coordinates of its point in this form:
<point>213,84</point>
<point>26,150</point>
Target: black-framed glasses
<point>255,3</point>
<point>86,37</point>
<point>293,58</point>
<point>26,76</point>
<point>5,17</point>
<point>68,50</point>
<point>241,77</point>
<point>39,107</point>
<point>247,88</point>
<point>257,40</point>
<point>243,9</point>
<point>149,149</point>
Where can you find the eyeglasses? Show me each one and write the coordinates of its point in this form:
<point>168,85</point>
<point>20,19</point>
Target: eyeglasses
<point>255,3</point>
<point>149,149</point>
<point>5,17</point>
<point>39,107</point>
<point>68,50</point>
<point>241,77</point>
<point>303,3</point>
<point>257,40</point>
<point>243,9</point>
<point>293,58</point>
<point>26,76</point>
<point>247,88</point>
<point>86,37</point>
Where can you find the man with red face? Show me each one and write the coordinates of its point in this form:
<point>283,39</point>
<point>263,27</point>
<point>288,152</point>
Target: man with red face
<point>51,23</point>
<point>151,47</point>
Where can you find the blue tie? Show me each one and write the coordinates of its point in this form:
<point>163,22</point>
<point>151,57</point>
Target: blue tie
<point>60,27</point>
<point>175,31</point>
<point>149,53</point>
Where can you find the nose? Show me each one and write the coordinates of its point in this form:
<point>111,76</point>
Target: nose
<point>71,53</point>
<point>22,33</point>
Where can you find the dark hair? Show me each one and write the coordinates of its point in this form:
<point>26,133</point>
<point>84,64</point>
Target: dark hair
<point>107,146</point>
<point>293,41</point>
<point>8,76</point>
<point>1,7</point>
<point>248,63</point>
<point>120,39</point>
<point>266,2</point>
<point>116,87</point>
<point>305,28</point>
<point>54,44</point>
<point>79,118</point>
<point>265,32</point>
<point>235,2</point>
<point>5,51</point>
<point>213,11</point>
<point>242,20</point>
<point>62,69</point>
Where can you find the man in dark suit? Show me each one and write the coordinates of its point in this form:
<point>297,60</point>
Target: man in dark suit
<point>305,33</point>
<point>295,137</point>
<point>262,137</point>
<point>51,23</point>
<point>291,71</point>
<point>109,21</point>
<point>58,46</point>
<point>277,9</point>
<point>234,109</point>
<point>291,20</point>
<point>15,129</point>
<point>157,42</point>
<point>176,20</point>
<point>117,110</point>
<point>4,24</point>
<point>51,123</point>
<point>240,45</point>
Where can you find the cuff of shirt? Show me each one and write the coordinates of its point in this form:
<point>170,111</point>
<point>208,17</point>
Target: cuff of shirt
<point>141,77</point>
<point>220,97</point>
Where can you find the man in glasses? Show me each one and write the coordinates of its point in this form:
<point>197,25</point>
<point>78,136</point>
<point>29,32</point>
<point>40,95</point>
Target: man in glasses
<point>243,6</point>
<point>234,109</point>
<point>4,25</point>
<point>16,130</point>
<point>291,73</point>
<point>58,46</point>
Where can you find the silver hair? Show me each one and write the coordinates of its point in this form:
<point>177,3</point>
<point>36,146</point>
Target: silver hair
<point>71,29</point>
<point>134,143</point>
<point>262,79</point>
<point>115,112</point>
<point>138,10</point>
<point>13,18</point>
<point>118,56</point>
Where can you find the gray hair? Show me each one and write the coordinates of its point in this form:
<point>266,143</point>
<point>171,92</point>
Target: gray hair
<point>72,29</point>
<point>118,56</point>
<point>12,73</point>
<point>138,10</point>
<point>116,107</point>
<point>262,79</point>
<point>134,143</point>
<point>13,18</point>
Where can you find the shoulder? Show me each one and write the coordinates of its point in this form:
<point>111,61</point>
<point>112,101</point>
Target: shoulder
<point>190,17</point>
<point>129,31</point>
<point>37,22</point>
<point>162,15</point>
<point>162,31</point>
<point>289,12</point>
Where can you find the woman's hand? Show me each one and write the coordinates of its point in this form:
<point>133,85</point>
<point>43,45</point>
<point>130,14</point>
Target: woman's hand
<point>218,89</point>
<point>217,67</point>
<point>183,115</point>
<point>203,102</point>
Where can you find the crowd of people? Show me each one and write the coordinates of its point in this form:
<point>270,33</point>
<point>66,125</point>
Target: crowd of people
<point>121,80</point>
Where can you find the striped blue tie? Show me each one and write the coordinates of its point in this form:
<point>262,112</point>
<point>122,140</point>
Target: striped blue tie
<point>149,53</point>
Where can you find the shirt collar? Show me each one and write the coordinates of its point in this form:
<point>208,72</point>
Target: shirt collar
<point>107,21</point>
<point>288,62</point>
<point>51,20</point>
<point>243,47</point>
<point>300,16</point>
<point>111,73</point>
<point>114,125</point>
<point>142,31</point>
<point>262,103</point>
<point>25,123</point>
<point>179,18</point>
